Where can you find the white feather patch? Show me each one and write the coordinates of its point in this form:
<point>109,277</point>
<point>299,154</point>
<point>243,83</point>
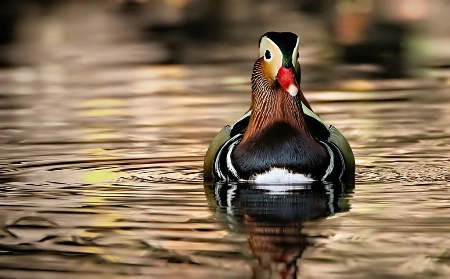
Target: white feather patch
<point>293,90</point>
<point>277,189</point>
<point>331,164</point>
<point>277,175</point>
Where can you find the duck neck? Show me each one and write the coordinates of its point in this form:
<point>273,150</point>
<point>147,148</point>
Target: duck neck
<point>271,104</point>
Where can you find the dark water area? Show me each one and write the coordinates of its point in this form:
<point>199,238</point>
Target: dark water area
<point>100,177</point>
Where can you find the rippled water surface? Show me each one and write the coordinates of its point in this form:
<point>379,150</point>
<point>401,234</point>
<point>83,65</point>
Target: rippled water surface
<point>100,173</point>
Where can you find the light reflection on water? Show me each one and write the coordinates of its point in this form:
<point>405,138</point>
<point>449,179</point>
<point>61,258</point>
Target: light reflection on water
<point>101,177</point>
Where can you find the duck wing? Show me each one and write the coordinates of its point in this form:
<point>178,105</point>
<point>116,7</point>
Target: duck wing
<point>330,134</point>
<point>220,139</point>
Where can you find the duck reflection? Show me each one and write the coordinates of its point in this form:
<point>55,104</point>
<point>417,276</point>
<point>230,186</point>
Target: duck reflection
<point>273,219</point>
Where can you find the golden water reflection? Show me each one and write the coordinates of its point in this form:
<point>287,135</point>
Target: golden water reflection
<point>101,174</point>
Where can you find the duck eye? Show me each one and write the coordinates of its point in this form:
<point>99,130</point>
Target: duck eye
<point>267,54</point>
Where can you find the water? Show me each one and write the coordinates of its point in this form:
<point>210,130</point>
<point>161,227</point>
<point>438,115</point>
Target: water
<point>100,175</point>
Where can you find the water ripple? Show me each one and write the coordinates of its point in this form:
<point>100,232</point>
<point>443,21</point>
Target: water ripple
<point>109,184</point>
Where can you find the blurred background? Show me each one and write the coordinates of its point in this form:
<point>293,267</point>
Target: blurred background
<point>392,38</point>
<point>107,108</point>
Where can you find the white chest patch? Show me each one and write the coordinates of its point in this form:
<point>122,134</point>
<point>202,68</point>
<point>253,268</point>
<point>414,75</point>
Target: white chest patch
<point>277,175</point>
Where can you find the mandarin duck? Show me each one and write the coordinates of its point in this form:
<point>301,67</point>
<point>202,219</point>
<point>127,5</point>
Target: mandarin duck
<point>280,139</point>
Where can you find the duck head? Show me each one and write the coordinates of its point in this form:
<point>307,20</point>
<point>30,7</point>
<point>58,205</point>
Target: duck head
<point>279,64</point>
<point>276,94</point>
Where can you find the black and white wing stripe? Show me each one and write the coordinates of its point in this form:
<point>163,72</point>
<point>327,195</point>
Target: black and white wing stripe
<point>223,167</point>
<point>336,167</point>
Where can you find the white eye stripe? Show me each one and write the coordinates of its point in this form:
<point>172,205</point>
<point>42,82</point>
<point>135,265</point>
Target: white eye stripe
<point>296,54</point>
<point>274,63</point>
<point>295,58</point>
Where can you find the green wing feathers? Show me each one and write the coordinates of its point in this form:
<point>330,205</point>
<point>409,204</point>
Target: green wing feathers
<point>216,143</point>
<point>341,142</point>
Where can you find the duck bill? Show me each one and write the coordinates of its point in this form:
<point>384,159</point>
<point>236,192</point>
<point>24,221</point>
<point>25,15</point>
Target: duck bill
<point>286,78</point>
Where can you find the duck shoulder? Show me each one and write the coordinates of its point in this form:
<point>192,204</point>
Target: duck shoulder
<point>330,134</point>
<point>220,139</point>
